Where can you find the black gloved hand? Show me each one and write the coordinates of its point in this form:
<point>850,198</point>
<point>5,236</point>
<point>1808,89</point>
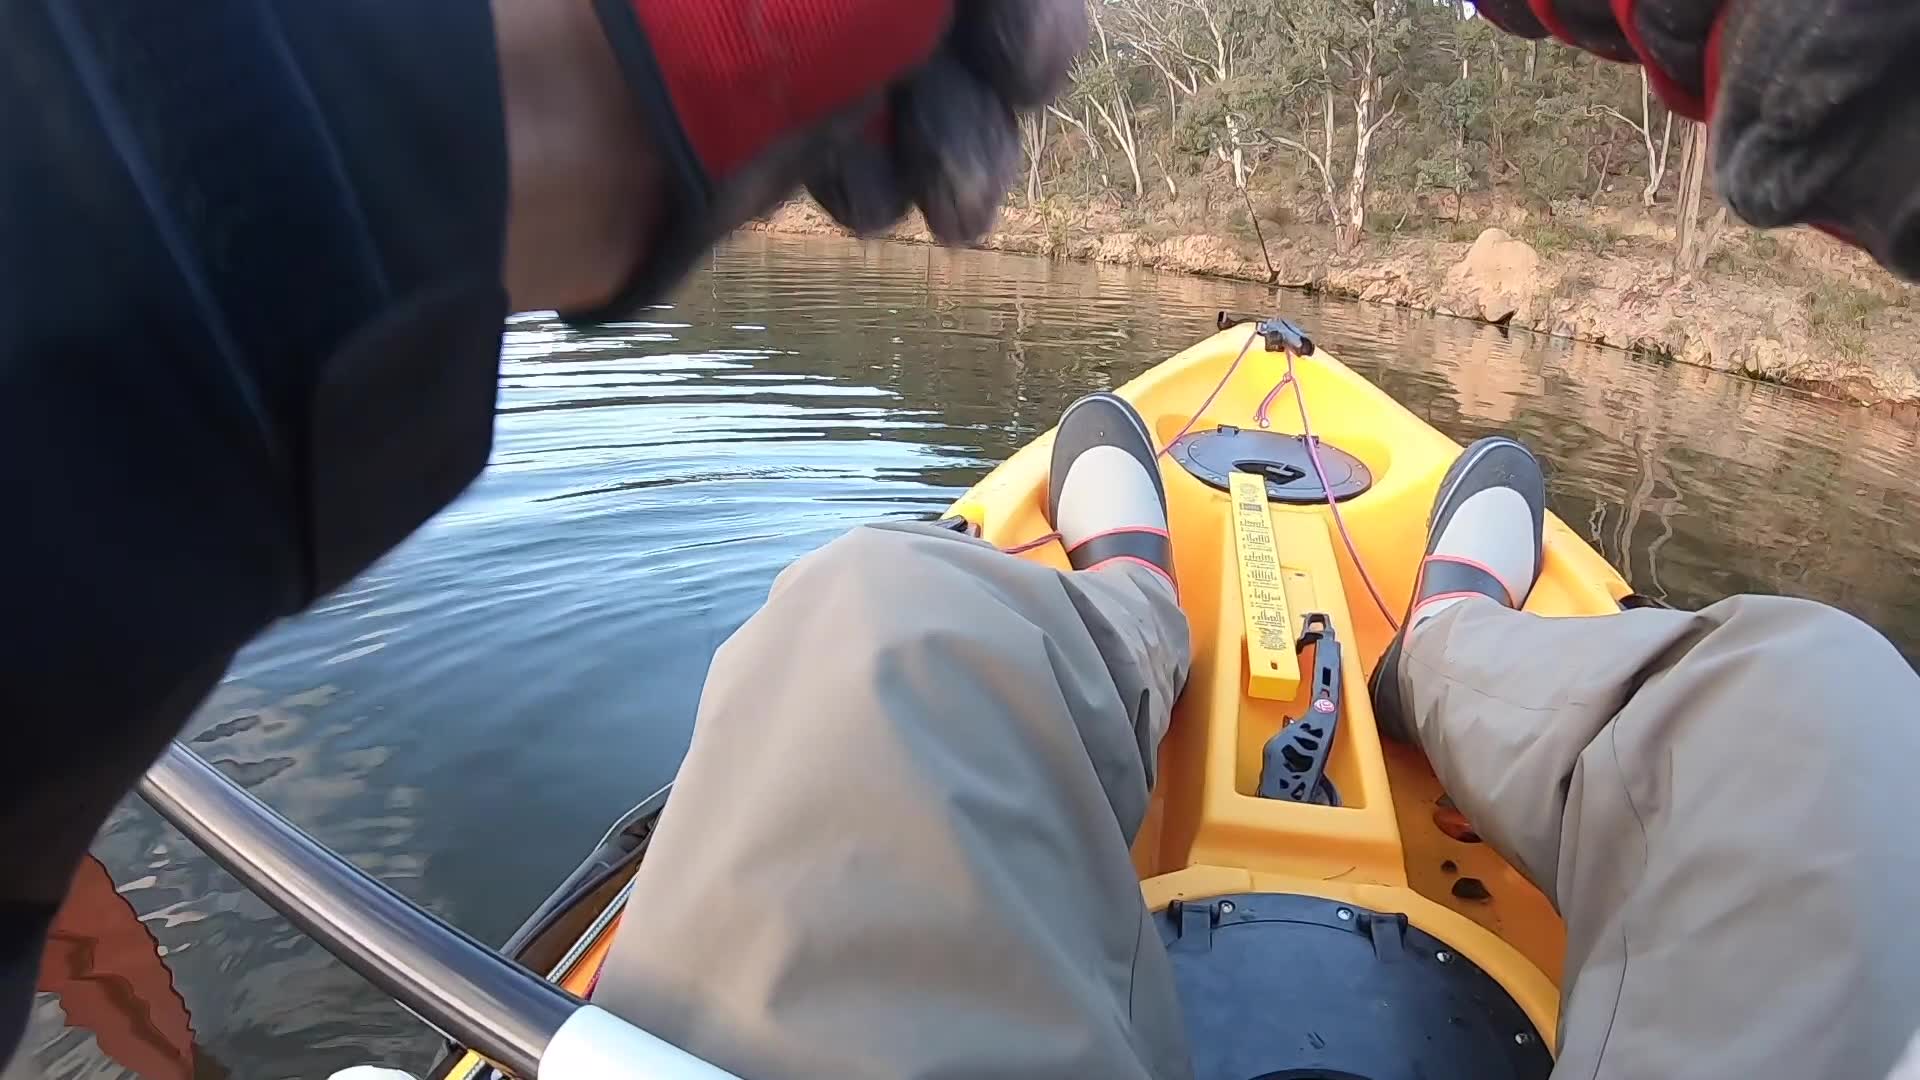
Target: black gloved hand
<point>949,141</point>
<point>875,104</point>
<point>1812,121</point>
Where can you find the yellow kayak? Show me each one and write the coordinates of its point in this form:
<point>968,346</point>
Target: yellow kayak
<point>1374,834</point>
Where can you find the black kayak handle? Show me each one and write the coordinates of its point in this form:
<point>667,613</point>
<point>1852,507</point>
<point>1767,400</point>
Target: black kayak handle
<point>1294,763</point>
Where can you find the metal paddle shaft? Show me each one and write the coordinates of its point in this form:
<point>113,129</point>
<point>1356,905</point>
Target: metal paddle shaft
<point>467,991</point>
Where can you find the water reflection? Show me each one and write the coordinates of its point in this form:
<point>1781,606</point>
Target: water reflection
<point>465,718</point>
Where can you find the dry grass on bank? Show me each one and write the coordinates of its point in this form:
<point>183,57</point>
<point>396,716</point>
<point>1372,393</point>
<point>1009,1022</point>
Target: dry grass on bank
<point>1843,295</point>
<point>1794,307</point>
<point>1846,299</point>
<point>1841,314</point>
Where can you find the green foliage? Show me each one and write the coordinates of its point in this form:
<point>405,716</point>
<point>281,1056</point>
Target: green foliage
<point>1455,107</point>
<point>1442,172</point>
<point>1452,153</point>
<point>1841,314</point>
<point>1554,237</point>
<point>1760,255</point>
<point>1840,311</point>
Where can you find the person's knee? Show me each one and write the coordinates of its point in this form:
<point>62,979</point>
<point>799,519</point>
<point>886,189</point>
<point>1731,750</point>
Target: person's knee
<point>884,586</point>
<point>1793,652</point>
<point>898,555</point>
<point>886,612</point>
<point>1816,632</point>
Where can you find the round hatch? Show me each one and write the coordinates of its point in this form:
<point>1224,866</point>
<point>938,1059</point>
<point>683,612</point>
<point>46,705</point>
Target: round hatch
<point>1282,459</point>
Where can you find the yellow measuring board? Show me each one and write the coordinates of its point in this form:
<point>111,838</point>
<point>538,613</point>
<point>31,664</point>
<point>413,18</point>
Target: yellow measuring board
<point>1273,668</point>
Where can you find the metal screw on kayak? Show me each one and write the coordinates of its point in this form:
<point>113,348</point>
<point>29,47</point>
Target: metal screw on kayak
<point>1344,914</point>
<point>1523,1038</point>
<point>1443,956</point>
<point>1226,907</point>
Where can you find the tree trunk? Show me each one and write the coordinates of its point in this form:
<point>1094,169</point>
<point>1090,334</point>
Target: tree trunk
<point>1533,58</point>
<point>1606,166</point>
<point>1345,240</point>
<point>1326,161</point>
<point>1166,174</point>
<point>1238,154</point>
<point>1356,215</point>
<point>1119,124</point>
<point>1033,128</point>
<point>1693,173</point>
<point>1657,166</point>
<point>1084,125</point>
<point>1656,161</point>
<point>1365,124</point>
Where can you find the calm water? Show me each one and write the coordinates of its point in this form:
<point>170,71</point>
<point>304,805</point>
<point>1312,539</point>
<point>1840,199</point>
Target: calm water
<point>466,718</point>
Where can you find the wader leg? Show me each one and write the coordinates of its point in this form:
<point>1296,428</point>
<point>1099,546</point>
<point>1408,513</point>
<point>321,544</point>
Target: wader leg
<point>898,847</point>
<point>1721,804</point>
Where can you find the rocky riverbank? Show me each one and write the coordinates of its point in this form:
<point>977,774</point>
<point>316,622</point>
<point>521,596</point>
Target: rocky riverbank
<point>1794,308</point>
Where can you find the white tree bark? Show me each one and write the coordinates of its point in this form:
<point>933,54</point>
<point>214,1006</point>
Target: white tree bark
<point>1322,160</point>
<point>1166,33</point>
<point>1084,125</point>
<point>1656,163</point>
<point>1354,221</point>
<point>1119,124</point>
<point>1166,175</point>
<point>1191,43</point>
<point>1368,119</point>
<point>1033,139</point>
<point>1362,85</point>
<point>1691,252</point>
<point>1117,112</point>
<point>1657,156</point>
<point>1236,152</point>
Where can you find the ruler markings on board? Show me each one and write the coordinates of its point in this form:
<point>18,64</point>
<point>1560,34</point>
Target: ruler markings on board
<point>1273,670</point>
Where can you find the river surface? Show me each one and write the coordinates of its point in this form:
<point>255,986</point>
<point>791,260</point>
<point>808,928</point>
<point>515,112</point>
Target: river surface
<point>465,718</point>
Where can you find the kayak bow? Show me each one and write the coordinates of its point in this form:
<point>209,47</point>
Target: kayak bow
<point>1360,907</point>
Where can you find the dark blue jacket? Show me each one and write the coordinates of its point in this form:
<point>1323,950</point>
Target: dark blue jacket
<point>250,312</point>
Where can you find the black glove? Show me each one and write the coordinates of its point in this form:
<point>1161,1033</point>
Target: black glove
<point>949,142</point>
<point>1811,121</point>
<point>873,104</point>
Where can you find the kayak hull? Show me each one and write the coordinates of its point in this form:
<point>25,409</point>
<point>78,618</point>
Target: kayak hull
<point>1387,848</point>
<point>1393,843</point>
